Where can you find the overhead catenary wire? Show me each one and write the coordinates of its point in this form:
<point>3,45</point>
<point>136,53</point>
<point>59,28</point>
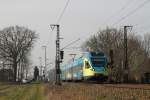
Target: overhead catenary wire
<point>60,17</point>
<point>132,12</point>
<point>57,21</point>
<point>70,44</point>
<point>118,11</point>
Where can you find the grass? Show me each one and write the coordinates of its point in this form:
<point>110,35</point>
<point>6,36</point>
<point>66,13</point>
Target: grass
<point>71,91</point>
<point>23,92</point>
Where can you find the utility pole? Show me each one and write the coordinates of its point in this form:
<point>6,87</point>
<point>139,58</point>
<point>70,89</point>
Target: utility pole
<point>44,72</point>
<point>57,60</point>
<point>126,69</point>
<point>40,60</point>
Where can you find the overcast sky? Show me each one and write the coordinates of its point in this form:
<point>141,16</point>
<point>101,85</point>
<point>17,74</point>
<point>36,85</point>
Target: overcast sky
<point>81,19</point>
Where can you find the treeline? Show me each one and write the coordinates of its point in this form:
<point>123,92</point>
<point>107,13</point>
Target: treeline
<point>15,45</point>
<point>138,51</point>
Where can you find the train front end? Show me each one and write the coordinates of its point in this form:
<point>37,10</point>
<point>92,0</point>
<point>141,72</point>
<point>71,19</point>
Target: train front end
<point>95,67</point>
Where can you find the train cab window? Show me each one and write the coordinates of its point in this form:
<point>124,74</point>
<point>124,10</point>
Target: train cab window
<point>87,65</point>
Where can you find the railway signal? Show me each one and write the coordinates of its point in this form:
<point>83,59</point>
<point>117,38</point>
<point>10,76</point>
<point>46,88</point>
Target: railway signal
<point>61,54</point>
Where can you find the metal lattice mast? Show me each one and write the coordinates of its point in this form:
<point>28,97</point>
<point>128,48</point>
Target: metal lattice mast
<point>57,61</point>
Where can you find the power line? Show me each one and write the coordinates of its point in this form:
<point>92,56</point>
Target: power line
<point>61,15</point>
<point>59,18</point>
<point>119,11</point>
<point>70,44</point>
<point>132,12</point>
<point>71,48</point>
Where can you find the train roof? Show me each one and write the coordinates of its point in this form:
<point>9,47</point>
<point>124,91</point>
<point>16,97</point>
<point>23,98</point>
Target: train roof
<point>79,61</point>
<point>76,62</point>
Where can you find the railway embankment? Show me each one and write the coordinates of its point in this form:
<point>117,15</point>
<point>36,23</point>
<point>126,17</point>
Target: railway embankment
<point>75,91</point>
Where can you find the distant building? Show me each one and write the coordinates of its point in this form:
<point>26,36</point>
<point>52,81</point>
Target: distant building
<point>6,71</point>
<point>6,75</point>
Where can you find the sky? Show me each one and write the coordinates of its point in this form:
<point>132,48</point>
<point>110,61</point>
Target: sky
<point>81,19</point>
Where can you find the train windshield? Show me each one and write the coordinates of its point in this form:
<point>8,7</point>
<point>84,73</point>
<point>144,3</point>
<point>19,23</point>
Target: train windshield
<point>94,54</point>
<point>98,62</point>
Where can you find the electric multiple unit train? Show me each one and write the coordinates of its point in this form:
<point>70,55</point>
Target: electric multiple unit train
<point>92,66</point>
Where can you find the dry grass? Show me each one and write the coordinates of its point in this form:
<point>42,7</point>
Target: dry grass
<point>73,91</point>
<point>80,91</point>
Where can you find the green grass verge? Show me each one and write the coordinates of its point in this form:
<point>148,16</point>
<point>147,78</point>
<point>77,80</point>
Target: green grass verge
<point>23,92</point>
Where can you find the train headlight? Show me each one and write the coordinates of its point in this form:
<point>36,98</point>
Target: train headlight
<point>92,69</point>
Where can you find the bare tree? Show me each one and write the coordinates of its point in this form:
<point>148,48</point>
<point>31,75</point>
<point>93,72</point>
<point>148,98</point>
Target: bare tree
<point>15,43</point>
<point>146,43</point>
<point>23,67</point>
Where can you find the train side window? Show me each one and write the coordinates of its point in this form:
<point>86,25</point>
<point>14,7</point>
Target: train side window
<point>87,65</point>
